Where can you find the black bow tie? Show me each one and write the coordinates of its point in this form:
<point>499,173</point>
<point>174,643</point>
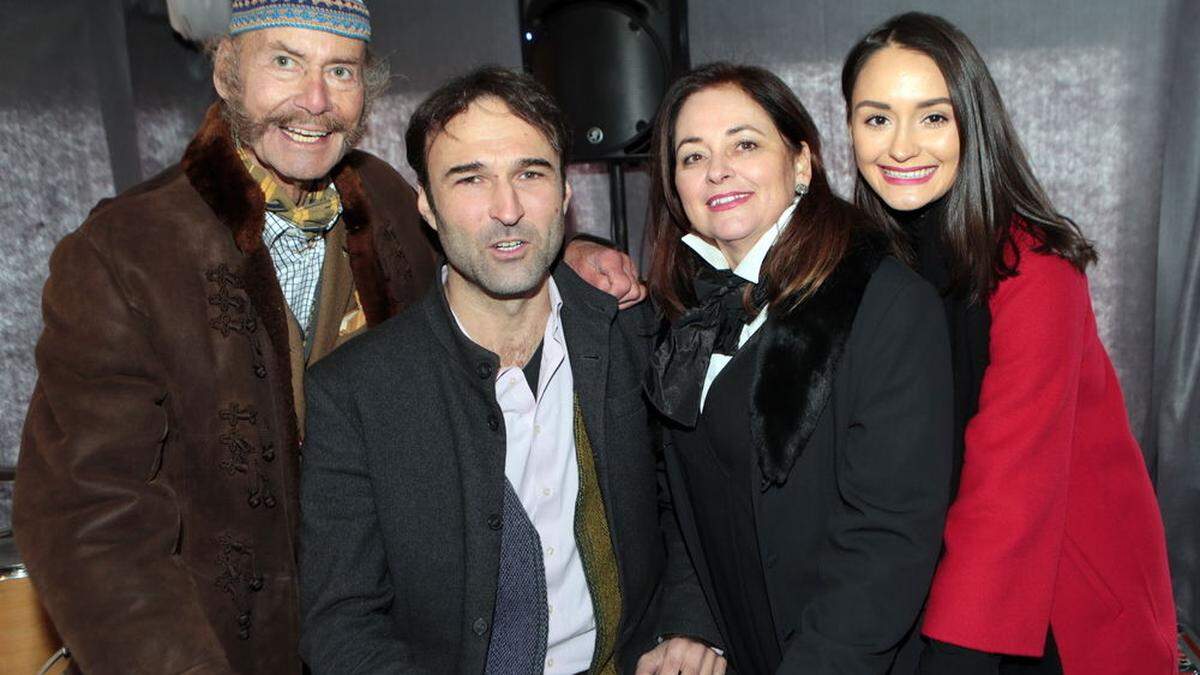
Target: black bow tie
<point>680,362</point>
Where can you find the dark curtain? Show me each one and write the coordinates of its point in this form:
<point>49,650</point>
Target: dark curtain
<point>55,162</point>
<point>1176,431</point>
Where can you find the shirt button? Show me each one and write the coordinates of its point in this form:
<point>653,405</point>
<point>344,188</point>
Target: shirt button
<point>480,627</point>
<point>546,492</point>
<point>495,522</point>
<point>550,551</point>
<point>549,663</point>
<point>537,429</point>
<point>493,422</point>
<point>484,369</point>
<point>549,609</point>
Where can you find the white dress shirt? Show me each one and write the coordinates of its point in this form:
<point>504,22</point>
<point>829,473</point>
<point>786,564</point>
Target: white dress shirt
<point>748,269</point>
<point>541,464</point>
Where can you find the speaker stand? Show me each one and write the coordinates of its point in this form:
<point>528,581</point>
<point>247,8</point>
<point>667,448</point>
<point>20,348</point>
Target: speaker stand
<point>616,200</point>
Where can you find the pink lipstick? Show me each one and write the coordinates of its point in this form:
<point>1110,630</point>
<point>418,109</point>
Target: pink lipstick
<point>727,200</point>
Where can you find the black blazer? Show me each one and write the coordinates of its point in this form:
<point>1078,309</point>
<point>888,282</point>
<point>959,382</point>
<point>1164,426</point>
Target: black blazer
<point>403,482</point>
<point>851,410</point>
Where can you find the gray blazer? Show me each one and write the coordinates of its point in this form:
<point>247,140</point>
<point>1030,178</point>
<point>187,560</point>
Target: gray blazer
<point>403,484</point>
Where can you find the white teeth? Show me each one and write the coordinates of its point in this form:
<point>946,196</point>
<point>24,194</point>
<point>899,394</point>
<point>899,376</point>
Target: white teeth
<point>909,175</point>
<point>304,135</point>
<point>509,245</point>
<point>306,132</point>
<point>724,200</point>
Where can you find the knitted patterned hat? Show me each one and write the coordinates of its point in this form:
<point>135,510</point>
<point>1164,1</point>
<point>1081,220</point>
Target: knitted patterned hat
<point>348,18</point>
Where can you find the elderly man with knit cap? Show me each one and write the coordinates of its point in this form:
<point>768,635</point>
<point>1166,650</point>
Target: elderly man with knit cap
<point>156,505</point>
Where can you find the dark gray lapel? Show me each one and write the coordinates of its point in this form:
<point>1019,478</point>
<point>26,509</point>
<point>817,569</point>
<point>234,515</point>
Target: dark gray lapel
<point>587,320</point>
<point>587,317</point>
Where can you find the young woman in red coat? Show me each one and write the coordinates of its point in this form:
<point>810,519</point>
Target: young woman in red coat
<point>1054,558</point>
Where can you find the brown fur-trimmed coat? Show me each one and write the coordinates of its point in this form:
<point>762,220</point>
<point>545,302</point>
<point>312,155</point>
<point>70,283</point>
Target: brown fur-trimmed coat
<point>156,502</point>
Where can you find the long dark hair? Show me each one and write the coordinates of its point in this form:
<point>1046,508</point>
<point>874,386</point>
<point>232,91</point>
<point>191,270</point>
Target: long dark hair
<point>995,182</point>
<point>818,235</point>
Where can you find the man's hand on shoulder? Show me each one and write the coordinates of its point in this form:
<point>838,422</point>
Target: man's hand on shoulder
<point>681,655</point>
<point>607,269</point>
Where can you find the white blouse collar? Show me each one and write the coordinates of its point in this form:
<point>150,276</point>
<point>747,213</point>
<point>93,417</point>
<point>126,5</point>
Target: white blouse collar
<point>751,264</point>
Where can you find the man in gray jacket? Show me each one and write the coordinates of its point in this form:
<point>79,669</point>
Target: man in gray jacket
<point>479,492</point>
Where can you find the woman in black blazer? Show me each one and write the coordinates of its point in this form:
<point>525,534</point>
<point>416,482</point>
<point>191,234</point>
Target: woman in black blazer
<point>804,381</point>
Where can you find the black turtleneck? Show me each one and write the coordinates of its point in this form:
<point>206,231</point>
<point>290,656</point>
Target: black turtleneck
<point>968,322</point>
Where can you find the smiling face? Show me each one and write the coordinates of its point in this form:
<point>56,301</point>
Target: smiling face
<point>295,98</point>
<point>497,199</point>
<point>734,172</point>
<point>905,135</point>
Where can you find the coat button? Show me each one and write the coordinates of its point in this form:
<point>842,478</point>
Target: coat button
<point>480,627</point>
<point>495,521</point>
<point>772,559</point>
<point>493,422</point>
<point>484,370</point>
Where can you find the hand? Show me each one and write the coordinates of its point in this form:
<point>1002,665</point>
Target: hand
<point>681,655</point>
<point>607,269</point>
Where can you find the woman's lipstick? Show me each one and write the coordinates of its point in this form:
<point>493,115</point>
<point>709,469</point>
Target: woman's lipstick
<point>895,175</point>
<point>727,200</point>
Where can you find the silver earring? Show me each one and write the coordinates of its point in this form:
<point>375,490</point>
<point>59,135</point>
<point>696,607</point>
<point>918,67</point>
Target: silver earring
<point>801,189</point>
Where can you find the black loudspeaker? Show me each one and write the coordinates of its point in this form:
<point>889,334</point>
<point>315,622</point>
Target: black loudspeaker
<point>608,63</point>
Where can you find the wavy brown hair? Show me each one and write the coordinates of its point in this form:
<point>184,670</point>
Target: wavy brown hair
<point>994,183</point>
<point>816,239</point>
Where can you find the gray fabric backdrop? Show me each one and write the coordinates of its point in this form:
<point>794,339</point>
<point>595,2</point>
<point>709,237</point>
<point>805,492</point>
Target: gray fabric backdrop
<point>100,93</point>
<point>1176,400</point>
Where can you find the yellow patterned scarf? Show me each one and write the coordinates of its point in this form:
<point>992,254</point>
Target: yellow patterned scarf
<point>316,210</point>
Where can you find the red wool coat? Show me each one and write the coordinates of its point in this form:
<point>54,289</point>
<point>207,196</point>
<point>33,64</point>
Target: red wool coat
<point>1055,522</point>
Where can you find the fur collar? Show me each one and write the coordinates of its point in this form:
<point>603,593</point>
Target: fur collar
<point>798,360</point>
<point>214,169</point>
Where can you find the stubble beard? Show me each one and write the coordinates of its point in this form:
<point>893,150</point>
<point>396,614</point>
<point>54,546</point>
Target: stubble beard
<point>469,257</point>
